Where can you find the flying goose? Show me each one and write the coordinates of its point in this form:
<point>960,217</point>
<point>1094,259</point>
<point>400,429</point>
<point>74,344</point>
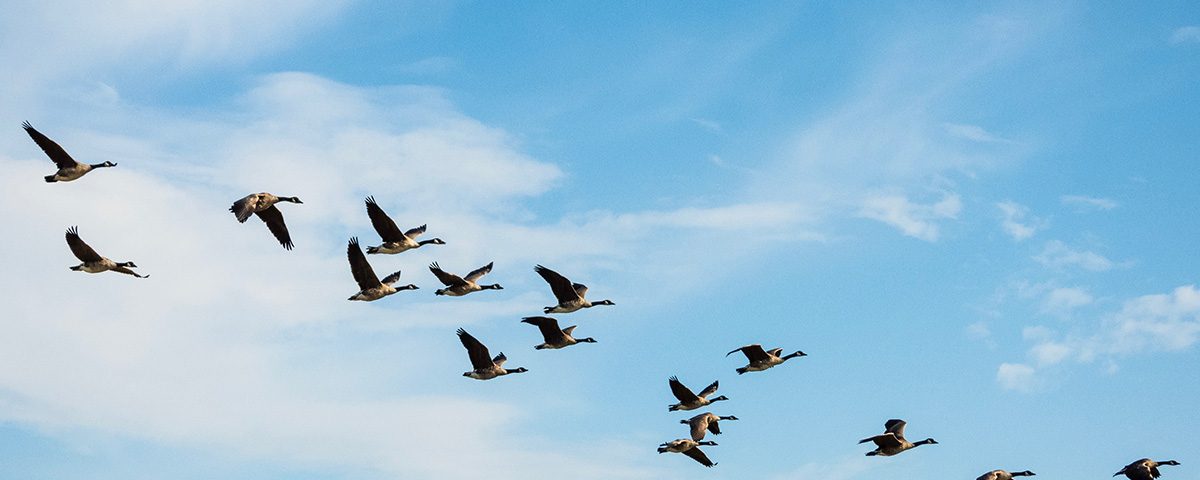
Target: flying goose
<point>394,241</point>
<point>688,447</point>
<point>263,205</point>
<point>484,366</point>
<point>68,168</point>
<point>689,400</point>
<point>92,261</point>
<point>552,336</point>
<point>457,286</point>
<point>371,287</point>
<point>892,441</point>
<point>1144,469</point>
<point>1003,475</point>
<point>705,422</point>
<point>569,295</point>
<point>761,360</point>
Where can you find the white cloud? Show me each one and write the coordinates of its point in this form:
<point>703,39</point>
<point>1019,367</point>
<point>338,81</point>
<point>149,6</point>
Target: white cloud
<point>1090,203</point>
<point>1056,254</point>
<point>979,330</point>
<point>1063,300</point>
<point>912,219</point>
<point>1015,376</point>
<point>973,133</point>
<point>707,124</point>
<point>1013,216</point>
<point>1188,34</point>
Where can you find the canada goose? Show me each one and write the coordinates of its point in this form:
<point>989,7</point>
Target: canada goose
<point>457,286</point>
<point>68,168</point>
<point>689,400</point>
<point>1144,469</point>
<point>705,422</point>
<point>688,447</point>
<point>263,205</point>
<point>394,241</point>
<point>485,367</point>
<point>92,261</point>
<point>761,360</point>
<point>569,295</point>
<point>892,441</point>
<point>1003,475</point>
<point>371,288</point>
<point>552,336</point>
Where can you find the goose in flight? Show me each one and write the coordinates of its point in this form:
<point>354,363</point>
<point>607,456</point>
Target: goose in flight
<point>762,359</point>
<point>457,286</point>
<point>705,422</point>
<point>1004,475</point>
<point>570,295</point>
<point>370,286</point>
<point>394,241</point>
<point>892,441</point>
<point>484,367</point>
<point>551,335</point>
<point>92,261</point>
<point>68,168</point>
<point>1144,469</point>
<point>688,447</point>
<point>263,205</point>
<point>689,400</point>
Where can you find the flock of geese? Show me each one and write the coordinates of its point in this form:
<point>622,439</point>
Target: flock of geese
<point>571,297</point>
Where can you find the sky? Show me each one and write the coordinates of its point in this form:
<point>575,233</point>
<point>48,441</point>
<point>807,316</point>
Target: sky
<point>979,218</point>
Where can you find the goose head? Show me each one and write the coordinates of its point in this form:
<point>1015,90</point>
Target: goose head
<point>729,417</point>
<point>1025,473</point>
<point>408,287</point>
<point>435,241</point>
<point>290,199</point>
<point>722,397</point>
<point>603,302</point>
<point>105,164</point>
<point>1168,462</point>
<point>494,286</point>
<point>516,370</point>
<point>127,265</point>
<point>927,441</point>
<point>586,340</point>
<point>707,443</point>
<point>796,354</point>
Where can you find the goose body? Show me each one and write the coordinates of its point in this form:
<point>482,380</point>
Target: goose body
<point>705,422</point>
<point>68,168</point>
<point>688,447</point>
<point>892,441</point>
<point>1004,475</point>
<point>552,336</point>
<point>689,400</point>
<point>763,359</point>
<point>394,241</point>
<point>1144,469</point>
<point>483,365</point>
<point>370,286</point>
<point>92,261</point>
<point>457,286</point>
<point>570,296</point>
<point>263,205</point>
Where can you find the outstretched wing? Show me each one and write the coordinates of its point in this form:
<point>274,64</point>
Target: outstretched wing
<point>413,233</point>
<point>549,328</point>
<point>562,288</point>
<point>709,390</point>
<point>52,149</point>
<point>81,250</point>
<point>479,272</point>
<point>447,279</point>
<point>480,358</point>
<point>681,392</point>
<point>698,424</point>
<point>754,353</point>
<point>274,220</point>
<point>383,224</point>
<point>359,267</point>
<point>242,209</point>
<point>699,456</point>
<point>390,279</point>
<point>714,425</point>
<point>895,426</point>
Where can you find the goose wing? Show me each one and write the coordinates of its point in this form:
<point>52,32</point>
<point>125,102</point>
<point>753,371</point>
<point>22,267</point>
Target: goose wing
<point>699,456</point>
<point>992,475</point>
<point>714,424</point>
<point>413,233</point>
<point>52,149</point>
<point>447,279</point>
<point>359,267</point>
<point>480,358</point>
<point>709,390</point>
<point>479,272</point>
<point>81,250</point>
<point>274,220</point>
<point>698,425</point>
<point>384,226</point>
<point>681,392</point>
<point>562,288</point>
<point>895,426</point>
<point>754,353</point>
<point>242,209</point>
<point>549,328</point>
<point>886,440</point>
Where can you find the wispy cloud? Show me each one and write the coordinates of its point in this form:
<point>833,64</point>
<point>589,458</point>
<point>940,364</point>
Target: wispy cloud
<point>1016,221</point>
<point>912,219</point>
<point>707,124</point>
<point>1015,376</point>
<point>973,133</point>
<point>1062,301</point>
<point>1086,202</point>
<point>1185,35</point>
<point>1057,254</point>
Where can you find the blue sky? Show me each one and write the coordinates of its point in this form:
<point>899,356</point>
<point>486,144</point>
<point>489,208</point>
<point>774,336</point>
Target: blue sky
<point>977,218</point>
